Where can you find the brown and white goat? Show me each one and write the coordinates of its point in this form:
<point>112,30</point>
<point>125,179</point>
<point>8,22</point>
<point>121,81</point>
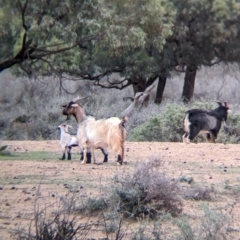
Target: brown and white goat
<point>198,121</point>
<point>102,133</point>
<point>67,141</point>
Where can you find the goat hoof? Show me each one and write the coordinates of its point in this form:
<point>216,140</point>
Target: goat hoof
<point>82,162</point>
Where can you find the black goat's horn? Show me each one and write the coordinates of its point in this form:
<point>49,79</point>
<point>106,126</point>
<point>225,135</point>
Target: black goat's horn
<point>219,103</point>
<point>226,105</point>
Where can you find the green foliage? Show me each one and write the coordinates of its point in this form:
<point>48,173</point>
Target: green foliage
<point>3,151</point>
<point>164,127</point>
<point>2,148</point>
<point>214,224</point>
<point>187,232</point>
<point>92,205</point>
<point>210,25</point>
<point>230,132</point>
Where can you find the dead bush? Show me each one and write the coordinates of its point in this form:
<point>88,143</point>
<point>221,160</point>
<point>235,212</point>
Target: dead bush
<point>146,192</point>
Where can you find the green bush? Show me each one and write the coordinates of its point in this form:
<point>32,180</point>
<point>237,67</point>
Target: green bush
<point>167,126</point>
<point>230,132</point>
<point>92,205</point>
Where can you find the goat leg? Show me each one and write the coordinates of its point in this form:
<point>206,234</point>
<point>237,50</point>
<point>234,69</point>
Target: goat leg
<point>69,153</point>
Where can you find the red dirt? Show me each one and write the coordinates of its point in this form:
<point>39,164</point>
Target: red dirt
<point>212,165</point>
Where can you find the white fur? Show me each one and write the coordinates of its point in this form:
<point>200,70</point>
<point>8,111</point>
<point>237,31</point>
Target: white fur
<point>103,133</point>
<point>66,139</point>
<point>186,129</point>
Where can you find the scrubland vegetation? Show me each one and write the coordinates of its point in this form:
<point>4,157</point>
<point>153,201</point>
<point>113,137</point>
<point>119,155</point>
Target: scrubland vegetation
<point>107,52</point>
<point>144,196</point>
<point>141,203</point>
<point>31,108</point>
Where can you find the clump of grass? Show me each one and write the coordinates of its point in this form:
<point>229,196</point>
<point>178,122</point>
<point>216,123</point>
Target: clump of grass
<point>3,151</point>
<point>198,193</point>
<point>213,225</point>
<point>60,227</point>
<point>146,192</point>
<point>92,206</point>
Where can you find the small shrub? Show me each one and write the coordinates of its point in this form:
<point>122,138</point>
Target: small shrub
<point>187,233</point>
<point>92,205</point>
<point>3,148</point>
<point>3,151</point>
<point>214,224</point>
<point>230,132</point>
<point>111,226</point>
<point>198,193</point>
<point>146,192</point>
<point>168,126</point>
<point>60,227</point>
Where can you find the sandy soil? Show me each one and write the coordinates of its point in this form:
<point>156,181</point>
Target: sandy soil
<point>212,165</point>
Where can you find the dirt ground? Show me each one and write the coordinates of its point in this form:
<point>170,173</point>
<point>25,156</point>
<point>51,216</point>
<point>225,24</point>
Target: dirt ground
<point>212,165</point>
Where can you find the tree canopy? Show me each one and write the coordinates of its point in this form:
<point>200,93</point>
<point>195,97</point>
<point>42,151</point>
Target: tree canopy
<point>142,40</point>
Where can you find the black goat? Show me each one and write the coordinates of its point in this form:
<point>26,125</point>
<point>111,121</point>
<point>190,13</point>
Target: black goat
<point>200,121</point>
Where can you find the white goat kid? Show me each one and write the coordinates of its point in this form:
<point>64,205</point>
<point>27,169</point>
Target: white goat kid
<point>67,141</point>
<point>92,133</point>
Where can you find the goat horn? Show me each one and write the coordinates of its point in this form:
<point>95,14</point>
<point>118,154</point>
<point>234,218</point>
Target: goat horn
<point>219,103</point>
<point>226,105</point>
<point>77,98</point>
<point>64,106</point>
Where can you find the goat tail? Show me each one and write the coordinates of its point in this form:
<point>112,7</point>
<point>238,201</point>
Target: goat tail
<point>123,121</point>
<point>123,135</point>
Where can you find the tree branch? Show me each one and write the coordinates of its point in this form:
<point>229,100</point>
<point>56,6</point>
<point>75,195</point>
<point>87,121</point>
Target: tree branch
<point>26,48</point>
<point>23,9</point>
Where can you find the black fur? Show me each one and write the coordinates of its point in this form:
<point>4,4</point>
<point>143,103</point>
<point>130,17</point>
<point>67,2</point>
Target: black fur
<point>89,156</point>
<point>119,159</point>
<point>105,155</point>
<point>200,120</point>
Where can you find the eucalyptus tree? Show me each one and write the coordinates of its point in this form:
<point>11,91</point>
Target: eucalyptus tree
<point>205,33</point>
<point>88,39</point>
<point>132,47</point>
<point>35,34</point>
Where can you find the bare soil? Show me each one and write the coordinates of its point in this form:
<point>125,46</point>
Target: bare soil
<point>213,165</point>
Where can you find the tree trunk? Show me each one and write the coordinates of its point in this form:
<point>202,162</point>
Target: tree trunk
<point>139,85</point>
<point>189,82</point>
<point>160,89</point>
